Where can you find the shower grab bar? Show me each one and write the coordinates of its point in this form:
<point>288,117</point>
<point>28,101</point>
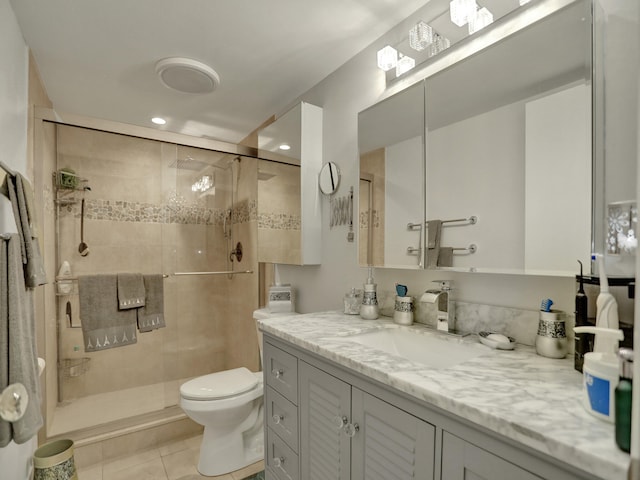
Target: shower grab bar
<point>226,272</point>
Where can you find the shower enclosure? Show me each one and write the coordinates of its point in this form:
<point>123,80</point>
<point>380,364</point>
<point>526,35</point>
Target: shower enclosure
<point>151,207</point>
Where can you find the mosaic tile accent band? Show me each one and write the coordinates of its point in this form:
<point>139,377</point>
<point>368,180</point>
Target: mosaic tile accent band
<point>180,212</point>
<point>278,221</point>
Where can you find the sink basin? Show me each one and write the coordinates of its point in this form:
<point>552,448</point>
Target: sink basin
<point>434,350</point>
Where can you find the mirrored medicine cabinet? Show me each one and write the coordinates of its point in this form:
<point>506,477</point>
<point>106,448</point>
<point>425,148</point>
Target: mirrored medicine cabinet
<point>504,136</point>
<point>290,159</point>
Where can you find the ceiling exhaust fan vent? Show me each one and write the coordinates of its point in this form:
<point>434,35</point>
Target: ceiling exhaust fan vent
<point>187,75</point>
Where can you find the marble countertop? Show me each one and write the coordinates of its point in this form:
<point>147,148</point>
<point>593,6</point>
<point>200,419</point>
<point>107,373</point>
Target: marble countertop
<point>523,396</point>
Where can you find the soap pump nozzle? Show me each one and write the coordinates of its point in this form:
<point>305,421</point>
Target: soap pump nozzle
<point>370,276</point>
<point>606,341</point>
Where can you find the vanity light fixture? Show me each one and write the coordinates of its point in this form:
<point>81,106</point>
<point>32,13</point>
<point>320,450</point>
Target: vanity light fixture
<point>405,63</point>
<point>158,120</point>
<point>420,36</point>
<point>439,44</point>
<point>285,146</point>
<point>387,58</point>
<point>524,2</point>
<point>481,19</point>
<point>462,10</point>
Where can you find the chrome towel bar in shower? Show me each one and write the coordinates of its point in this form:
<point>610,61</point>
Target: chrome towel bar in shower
<point>226,272</point>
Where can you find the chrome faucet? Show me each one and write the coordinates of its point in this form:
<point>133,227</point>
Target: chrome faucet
<point>445,307</point>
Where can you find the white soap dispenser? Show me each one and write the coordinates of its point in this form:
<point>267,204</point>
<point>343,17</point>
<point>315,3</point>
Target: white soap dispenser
<point>601,372</point>
<point>369,307</point>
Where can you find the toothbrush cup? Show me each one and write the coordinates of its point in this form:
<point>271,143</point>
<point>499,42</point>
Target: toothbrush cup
<point>551,340</point>
<point>403,310</point>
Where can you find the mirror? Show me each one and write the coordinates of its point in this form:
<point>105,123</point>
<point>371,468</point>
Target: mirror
<point>329,178</point>
<point>289,220</point>
<point>391,145</point>
<point>508,140</point>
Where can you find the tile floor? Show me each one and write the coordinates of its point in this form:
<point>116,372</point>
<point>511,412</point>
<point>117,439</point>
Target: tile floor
<point>173,461</point>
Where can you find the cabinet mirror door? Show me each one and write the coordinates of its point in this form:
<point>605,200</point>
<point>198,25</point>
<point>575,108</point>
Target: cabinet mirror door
<point>391,146</point>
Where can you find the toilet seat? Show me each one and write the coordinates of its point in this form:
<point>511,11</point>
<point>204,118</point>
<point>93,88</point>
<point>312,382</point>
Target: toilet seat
<point>219,385</point>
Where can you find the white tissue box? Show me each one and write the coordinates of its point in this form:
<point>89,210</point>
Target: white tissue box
<point>281,299</point>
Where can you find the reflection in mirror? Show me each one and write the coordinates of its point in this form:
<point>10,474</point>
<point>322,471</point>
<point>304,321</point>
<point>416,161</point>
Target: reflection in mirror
<point>509,140</point>
<point>289,220</point>
<point>391,146</point>
<point>329,178</point>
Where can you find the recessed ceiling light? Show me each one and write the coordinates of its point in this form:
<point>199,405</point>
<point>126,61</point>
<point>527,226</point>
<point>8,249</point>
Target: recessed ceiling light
<point>158,120</point>
<point>285,146</point>
<point>187,75</point>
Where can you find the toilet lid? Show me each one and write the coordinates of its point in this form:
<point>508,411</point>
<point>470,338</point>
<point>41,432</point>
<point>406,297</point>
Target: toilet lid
<point>219,385</point>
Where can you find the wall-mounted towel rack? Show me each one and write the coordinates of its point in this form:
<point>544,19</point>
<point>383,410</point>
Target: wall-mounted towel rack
<point>473,248</point>
<point>226,272</point>
<point>472,220</point>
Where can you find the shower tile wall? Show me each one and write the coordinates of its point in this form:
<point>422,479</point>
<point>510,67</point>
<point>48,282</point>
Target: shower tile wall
<point>279,213</point>
<point>141,216</point>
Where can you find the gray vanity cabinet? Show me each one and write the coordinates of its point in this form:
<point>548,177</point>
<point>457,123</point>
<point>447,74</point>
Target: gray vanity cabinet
<point>462,460</point>
<point>389,443</point>
<point>325,406</point>
<point>324,422</point>
<point>344,432</point>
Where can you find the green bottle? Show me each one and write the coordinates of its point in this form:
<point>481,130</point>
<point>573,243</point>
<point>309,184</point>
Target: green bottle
<point>623,399</point>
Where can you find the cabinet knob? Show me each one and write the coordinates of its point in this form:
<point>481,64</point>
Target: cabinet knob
<point>278,462</point>
<point>351,429</point>
<point>277,418</point>
<point>340,421</point>
<point>277,372</point>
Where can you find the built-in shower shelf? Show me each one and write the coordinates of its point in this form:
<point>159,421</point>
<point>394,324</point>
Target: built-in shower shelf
<point>74,367</point>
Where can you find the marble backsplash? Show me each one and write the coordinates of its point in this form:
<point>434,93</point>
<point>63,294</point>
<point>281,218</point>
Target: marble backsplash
<point>518,323</point>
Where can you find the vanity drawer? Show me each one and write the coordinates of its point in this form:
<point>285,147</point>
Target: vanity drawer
<point>282,417</point>
<point>281,372</point>
<point>280,459</point>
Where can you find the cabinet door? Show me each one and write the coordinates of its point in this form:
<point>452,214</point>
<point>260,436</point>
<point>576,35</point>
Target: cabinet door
<point>324,447</point>
<point>462,460</point>
<point>389,443</point>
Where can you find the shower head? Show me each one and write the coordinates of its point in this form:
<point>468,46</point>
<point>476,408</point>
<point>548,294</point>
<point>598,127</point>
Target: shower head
<point>188,163</point>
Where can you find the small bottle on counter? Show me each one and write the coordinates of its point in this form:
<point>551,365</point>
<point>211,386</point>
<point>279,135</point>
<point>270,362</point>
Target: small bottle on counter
<point>623,400</point>
<point>352,301</point>
<point>369,308</point>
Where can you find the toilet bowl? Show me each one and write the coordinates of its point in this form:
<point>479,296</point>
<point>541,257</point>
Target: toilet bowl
<point>230,407</point>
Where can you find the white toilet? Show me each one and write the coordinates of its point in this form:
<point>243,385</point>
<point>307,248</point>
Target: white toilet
<point>229,405</point>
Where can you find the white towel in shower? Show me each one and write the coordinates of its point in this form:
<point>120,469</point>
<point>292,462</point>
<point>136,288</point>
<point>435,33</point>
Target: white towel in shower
<point>18,353</point>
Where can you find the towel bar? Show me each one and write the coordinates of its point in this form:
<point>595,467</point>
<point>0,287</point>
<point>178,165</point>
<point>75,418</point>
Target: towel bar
<point>74,278</point>
<point>473,248</point>
<point>226,272</point>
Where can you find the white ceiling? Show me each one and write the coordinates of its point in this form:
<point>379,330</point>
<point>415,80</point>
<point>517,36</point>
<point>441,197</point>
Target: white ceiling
<point>97,57</point>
